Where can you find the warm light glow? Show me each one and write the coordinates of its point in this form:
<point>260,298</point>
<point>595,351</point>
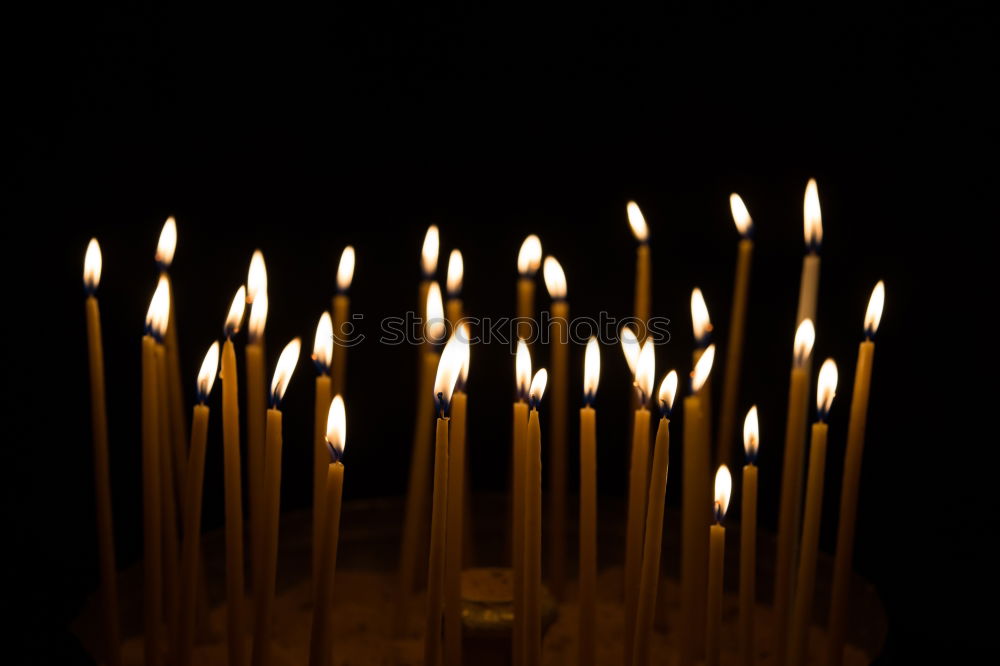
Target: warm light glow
<point>630,346</point>
<point>435,328</point>
<point>456,271</point>
<point>256,278</point>
<point>323,343</point>
<point>812,218</point>
<point>529,258</point>
<point>429,253</point>
<point>874,313</point>
<point>555,279</point>
<point>92,264</point>
<point>235,317</point>
<point>741,216</point>
<point>167,244</point>
<point>336,428</point>
<point>345,270</point>
<point>463,375</point>
<point>159,309</point>
<point>209,368</point>
<point>283,371</point>
<point>638,223</point>
<point>522,370</point>
<point>591,370</point>
<point>826,387</point>
<point>700,320</point>
<point>751,434</point>
<point>537,388</point>
<point>258,317</point>
<point>805,337</point>
<point>723,488</point>
<point>668,389</point>
<point>702,369</point>
<point>448,371</point>
<point>645,372</point>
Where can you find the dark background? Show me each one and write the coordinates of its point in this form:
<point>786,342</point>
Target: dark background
<point>298,132</point>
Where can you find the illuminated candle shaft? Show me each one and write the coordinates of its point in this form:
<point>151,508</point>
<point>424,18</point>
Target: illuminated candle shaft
<point>734,353</point>
<point>269,565</point>
<point>454,541</point>
<point>588,536</point>
<point>849,502</point>
<point>748,564</point>
<point>102,487</point>
<point>338,367</point>
<point>152,542</point>
<point>705,394</point>
<point>533,543</point>
<point>321,461</point>
<point>649,583</point>
<point>192,532</point>
<point>435,563</point>
<point>643,289</point>
<point>716,558</point>
<point>520,437</point>
<point>177,419</point>
<point>171,573</point>
<point>525,306</point>
<point>696,515</point>
<point>256,414</point>
<point>638,486</point>
<point>234,505</point>
<point>322,629</point>
<point>806,585</point>
<point>453,311</point>
<point>808,288</point>
<point>557,459</point>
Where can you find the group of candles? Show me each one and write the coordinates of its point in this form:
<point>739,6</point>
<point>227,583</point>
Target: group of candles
<point>173,471</point>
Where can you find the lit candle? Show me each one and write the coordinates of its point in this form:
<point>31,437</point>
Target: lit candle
<point>156,324</point>
<point>192,506</point>
<point>168,521</point>
<point>231,479</point>
<point>322,351</point>
<point>737,324</point>
<point>695,515</point>
<point>322,628</point>
<point>519,430</point>
<point>806,583</point>
<point>456,509</point>
<point>446,376</point>
<point>256,404</point>
<point>643,269</point>
<point>716,558</point>
<point>588,506</point>
<point>791,482</point>
<point>638,488</point>
<point>415,512</point>
<point>529,258</point>
<point>456,271</point>
<point>852,477</point>
<point>555,283</point>
<point>102,479</point>
<point>533,528</point>
<point>701,323</point>
<point>748,538</point>
<point>650,580</point>
<point>428,262</point>
<point>264,598</point>
<point>341,314</point>
<point>812,221</point>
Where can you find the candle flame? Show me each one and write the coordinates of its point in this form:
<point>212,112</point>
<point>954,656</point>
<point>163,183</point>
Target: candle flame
<point>826,388</point>
<point>538,386</point>
<point>522,370</point>
<point>92,264</point>
<point>209,369</point>
<point>645,372</point>
<point>345,269</point>
<point>638,223</point>
<point>741,216</point>
<point>529,257</point>
<point>700,320</point>
<point>158,313</point>
<point>555,279</point>
<point>167,244</point>
<point>448,371</point>
<point>429,252</point>
<point>591,370</point>
<point>703,368</point>
<point>751,434</point>
<point>723,489</point>
<point>283,371</point>
<point>630,347</point>
<point>258,317</point>
<point>256,277</point>
<point>463,375</point>
<point>805,337</point>
<point>336,429</point>
<point>668,389</point>
<point>435,327</point>
<point>235,317</point>
<point>812,218</point>
<point>456,271</point>
<point>323,343</point>
<point>873,315</point>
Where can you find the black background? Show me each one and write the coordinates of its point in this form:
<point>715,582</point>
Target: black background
<point>299,132</point>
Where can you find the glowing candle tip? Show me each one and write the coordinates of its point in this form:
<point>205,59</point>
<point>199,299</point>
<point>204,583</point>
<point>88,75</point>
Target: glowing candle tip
<point>591,370</point>
<point>92,264</point>
<point>555,279</point>
<point>751,435</point>
<point>873,315</point>
<point>283,371</point>
<point>336,429</point>
<point>529,257</point>
<point>723,489</point>
<point>207,373</point>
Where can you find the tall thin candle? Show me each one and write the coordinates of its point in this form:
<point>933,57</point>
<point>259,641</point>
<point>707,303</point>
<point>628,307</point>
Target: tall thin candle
<point>256,405</point>
<point>456,272</point>
<point>701,323</point>
<point>342,328</point>
<point>716,559</point>
<point>748,539</point>
<point>519,433</point>
<point>322,352</point>
<point>533,527</point>
<point>456,509</point>
<point>529,258</point>
<point>168,522</point>
<point>643,268</point>
<point>555,283</point>
<point>588,507</point>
